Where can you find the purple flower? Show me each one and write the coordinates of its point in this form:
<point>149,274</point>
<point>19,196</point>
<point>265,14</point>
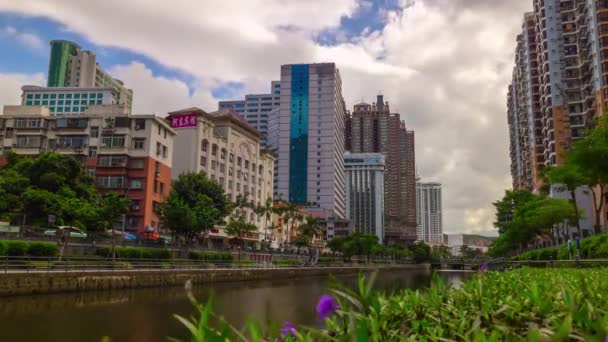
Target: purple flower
<point>484,267</point>
<point>288,329</point>
<point>326,306</point>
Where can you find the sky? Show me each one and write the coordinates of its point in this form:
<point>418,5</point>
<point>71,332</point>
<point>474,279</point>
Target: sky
<point>444,65</point>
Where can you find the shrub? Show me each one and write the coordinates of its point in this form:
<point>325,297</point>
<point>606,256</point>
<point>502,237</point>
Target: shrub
<point>16,248</point>
<point>129,253</point>
<point>105,252</point>
<point>42,249</point>
<point>3,248</point>
<point>287,262</point>
<point>210,256</point>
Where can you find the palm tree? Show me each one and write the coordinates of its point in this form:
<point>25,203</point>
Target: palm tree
<point>291,212</point>
<point>309,230</point>
<point>266,210</point>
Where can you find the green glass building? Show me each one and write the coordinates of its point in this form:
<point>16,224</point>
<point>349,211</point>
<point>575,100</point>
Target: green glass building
<point>61,51</point>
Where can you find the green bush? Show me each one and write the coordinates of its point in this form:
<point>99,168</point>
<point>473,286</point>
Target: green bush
<point>16,248</point>
<point>3,248</point>
<point>42,249</point>
<point>595,247</point>
<point>287,262</point>
<point>129,253</point>
<point>104,252</point>
<point>210,256</point>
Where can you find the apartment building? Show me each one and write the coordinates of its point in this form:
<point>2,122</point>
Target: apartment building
<point>310,144</point>
<point>374,129</point>
<point>365,192</point>
<point>257,109</point>
<point>127,154</point>
<point>430,215</point>
<point>70,100</point>
<point>224,146</point>
<point>70,66</point>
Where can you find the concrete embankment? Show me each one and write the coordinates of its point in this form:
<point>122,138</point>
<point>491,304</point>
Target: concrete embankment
<point>53,282</point>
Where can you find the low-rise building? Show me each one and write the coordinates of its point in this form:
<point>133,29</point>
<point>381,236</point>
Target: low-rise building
<point>127,154</point>
<point>477,242</point>
<point>224,146</point>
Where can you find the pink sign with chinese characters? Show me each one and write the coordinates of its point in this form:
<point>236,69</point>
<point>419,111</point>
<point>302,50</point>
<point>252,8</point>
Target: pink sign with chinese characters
<point>183,121</point>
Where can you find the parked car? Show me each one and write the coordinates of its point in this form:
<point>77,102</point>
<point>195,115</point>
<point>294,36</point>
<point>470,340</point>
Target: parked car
<point>53,232</point>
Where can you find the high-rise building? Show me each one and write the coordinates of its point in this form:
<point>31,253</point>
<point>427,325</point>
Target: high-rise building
<point>365,192</point>
<point>257,109</point>
<point>430,215</point>
<point>70,66</point>
<point>127,154</point>
<point>559,87</point>
<point>224,146</point>
<point>310,151</point>
<point>71,100</point>
<point>374,129</point>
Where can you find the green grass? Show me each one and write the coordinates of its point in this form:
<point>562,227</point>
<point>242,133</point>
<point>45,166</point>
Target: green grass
<point>524,304</point>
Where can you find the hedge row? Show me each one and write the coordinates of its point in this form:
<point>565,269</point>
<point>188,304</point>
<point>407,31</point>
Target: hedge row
<point>26,248</point>
<point>135,253</point>
<point>287,262</point>
<point>595,247</point>
<point>212,256</point>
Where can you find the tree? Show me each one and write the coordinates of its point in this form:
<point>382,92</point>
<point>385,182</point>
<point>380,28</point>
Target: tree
<point>238,228</point>
<point>590,154</point>
<point>266,210</point>
<point>291,213</point>
<point>309,230</point>
<point>506,207</point>
<point>188,186</point>
<point>112,211</point>
<point>569,176</point>
<point>421,251</point>
<point>194,206</point>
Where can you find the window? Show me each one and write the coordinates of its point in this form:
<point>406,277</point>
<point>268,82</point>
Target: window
<point>230,171</point>
<point>113,141</point>
<point>231,157</point>
<point>162,188</point>
<point>204,161</point>
<point>30,96</point>
<point>214,150</point>
<point>112,161</point>
<point>136,163</point>
<point>135,184</point>
<point>156,186</point>
<point>229,184</point>
<point>110,182</point>
<point>238,174</point>
<point>239,161</point>
<point>261,170</point>
<point>138,143</point>
<point>92,152</point>
<point>222,181</point>
<point>222,167</point>
<point>204,145</point>
<point>159,127</point>
<point>45,96</point>
<point>238,186</point>
<point>164,151</point>
<point>246,164</point>
<point>77,95</point>
<point>246,188</point>
<point>94,132</point>
<point>37,96</point>
<point>29,123</point>
<point>158,148</point>
<point>140,124</point>
<point>245,176</point>
<point>28,141</point>
<point>157,168</point>
<point>91,172</point>
<point>223,154</point>
<point>213,164</point>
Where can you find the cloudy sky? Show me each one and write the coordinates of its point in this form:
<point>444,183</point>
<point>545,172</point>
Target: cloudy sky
<point>443,64</point>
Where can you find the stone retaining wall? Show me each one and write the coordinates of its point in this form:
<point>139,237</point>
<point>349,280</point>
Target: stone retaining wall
<point>53,282</point>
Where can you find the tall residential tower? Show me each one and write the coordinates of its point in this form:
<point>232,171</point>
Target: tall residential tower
<point>430,216</point>
<point>374,129</point>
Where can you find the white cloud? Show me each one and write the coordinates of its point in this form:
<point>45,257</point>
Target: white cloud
<point>11,83</point>
<point>443,64</point>
<point>29,40</point>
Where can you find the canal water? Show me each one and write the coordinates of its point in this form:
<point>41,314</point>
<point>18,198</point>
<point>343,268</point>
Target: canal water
<point>146,315</point>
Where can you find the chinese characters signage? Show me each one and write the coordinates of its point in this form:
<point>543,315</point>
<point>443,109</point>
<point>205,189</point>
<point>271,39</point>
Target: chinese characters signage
<point>183,121</point>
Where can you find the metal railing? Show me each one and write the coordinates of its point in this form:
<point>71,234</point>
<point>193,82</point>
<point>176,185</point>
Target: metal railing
<point>9,264</point>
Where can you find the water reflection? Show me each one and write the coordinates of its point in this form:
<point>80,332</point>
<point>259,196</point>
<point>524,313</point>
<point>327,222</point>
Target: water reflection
<point>146,314</point>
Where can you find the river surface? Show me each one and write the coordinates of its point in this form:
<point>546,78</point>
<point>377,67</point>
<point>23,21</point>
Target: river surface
<point>145,315</point>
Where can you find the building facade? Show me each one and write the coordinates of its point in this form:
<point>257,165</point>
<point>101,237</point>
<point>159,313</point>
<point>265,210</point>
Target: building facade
<point>257,109</point>
<point>70,66</point>
<point>374,129</point>
<point>365,192</point>
<point>430,214</point>
<point>126,154</point>
<point>310,150</point>
<point>224,146</point>
<point>70,100</point>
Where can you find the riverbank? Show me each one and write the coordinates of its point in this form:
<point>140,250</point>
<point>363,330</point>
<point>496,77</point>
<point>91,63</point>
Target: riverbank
<point>12,284</point>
